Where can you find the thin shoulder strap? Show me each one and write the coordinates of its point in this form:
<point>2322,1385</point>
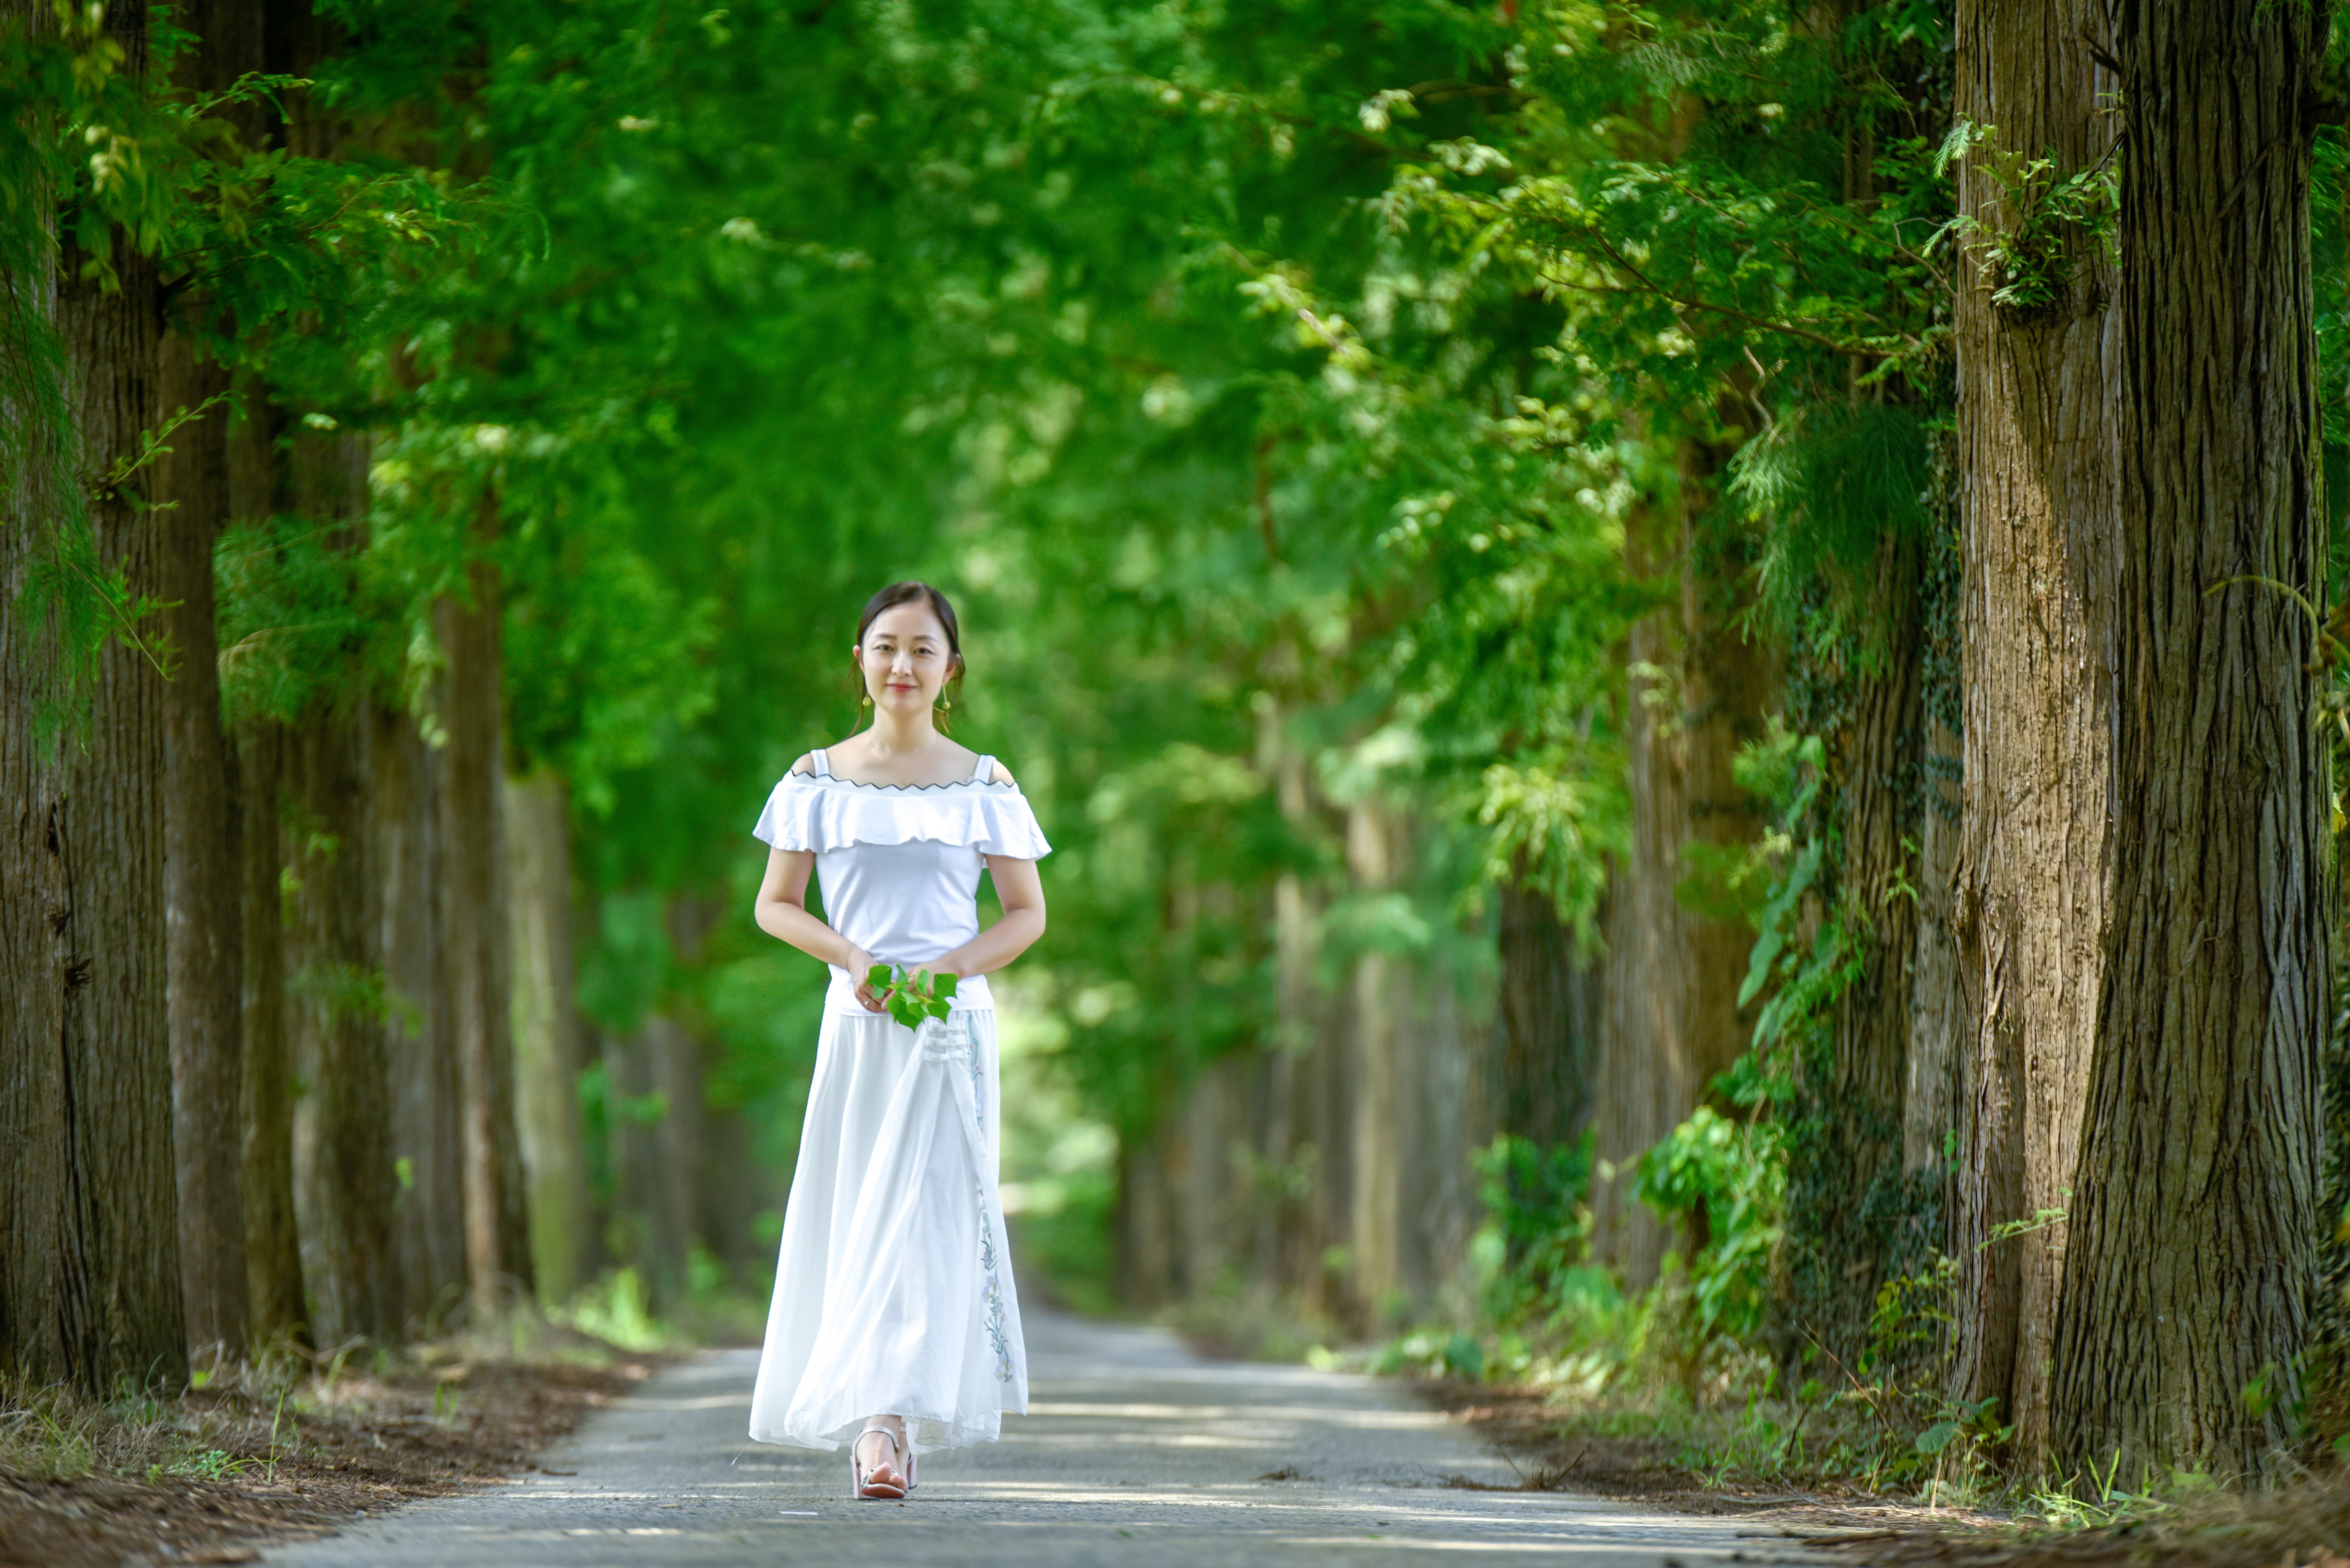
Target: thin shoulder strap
<point>984,772</point>
<point>823,760</point>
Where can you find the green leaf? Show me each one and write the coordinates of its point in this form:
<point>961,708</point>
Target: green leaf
<point>1937,1437</point>
<point>878,977</point>
<point>946,986</point>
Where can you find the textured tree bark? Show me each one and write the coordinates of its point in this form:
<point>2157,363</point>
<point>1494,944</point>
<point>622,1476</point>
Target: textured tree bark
<point>2037,524</point>
<point>547,1035</point>
<point>1696,692</point>
<point>203,907</point>
<point>35,896</point>
<point>121,1303</point>
<point>2185,1287</point>
<point>273,1259</point>
<point>1937,999</point>
<point>1852,1220</point>
<point>1878,762</point>
<point>202,903</point>
<point>425,1096</point>
<point>476,965</point>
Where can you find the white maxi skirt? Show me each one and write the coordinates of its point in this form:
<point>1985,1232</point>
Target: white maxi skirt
<point>894,1295</point>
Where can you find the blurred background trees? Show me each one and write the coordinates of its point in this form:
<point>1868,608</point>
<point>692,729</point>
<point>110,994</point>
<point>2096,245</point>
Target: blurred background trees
<point>1551,570</point>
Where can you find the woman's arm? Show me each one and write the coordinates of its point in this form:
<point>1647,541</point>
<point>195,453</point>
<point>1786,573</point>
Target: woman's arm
<point>1021,893</point>
<point>781,912</point>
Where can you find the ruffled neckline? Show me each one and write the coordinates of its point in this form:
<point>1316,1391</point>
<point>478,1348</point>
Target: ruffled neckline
<point>834,781</point>
<point>810,812</point>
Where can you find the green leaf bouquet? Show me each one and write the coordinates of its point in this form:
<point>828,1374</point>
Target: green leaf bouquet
<point>912,997</point>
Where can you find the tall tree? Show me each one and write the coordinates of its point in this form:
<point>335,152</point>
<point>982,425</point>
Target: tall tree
<point>426,1099</point>
<point>202,879</point>
<point>1695,693</point>
<point>547,1035</point>
<point>475,930</point>
<point>275,1299</point>
<point>344,1171</point>
<point>119,1300</point>
<point>2037,517</point>
<point>202,903</point>
<point>2186,1284</point>
<point>36,655</point>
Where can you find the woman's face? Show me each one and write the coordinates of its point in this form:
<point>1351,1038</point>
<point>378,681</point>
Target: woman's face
<point>904,657</point>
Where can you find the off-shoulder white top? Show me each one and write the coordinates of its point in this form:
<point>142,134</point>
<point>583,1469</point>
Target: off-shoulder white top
<point>899,864</point>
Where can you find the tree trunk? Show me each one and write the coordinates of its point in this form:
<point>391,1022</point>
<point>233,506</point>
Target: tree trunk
<point>203,878</point>
<point>669,1062</point>
<point>272,1258</point>
<point>121,1297</point>
<point>1549,1006</point>
<point>1852,1211</point>
<point>474,916</point>
<point>2185,1290</point>
<point>430,1223</point>
<point>547,1035</point>
<point>2037,519</point>
<point>273,1272</point>
<point>35,896</point>
<point>1937,999</point>
<point>346,1178</point>
<point>1695,694</point>
<point>1374,854</point>
<point>202,903</point>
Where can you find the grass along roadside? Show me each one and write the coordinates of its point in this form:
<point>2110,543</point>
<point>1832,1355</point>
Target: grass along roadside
<point>291,1445</point>
<point>1662,1460</point>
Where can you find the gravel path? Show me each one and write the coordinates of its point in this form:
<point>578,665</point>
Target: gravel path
<point>1135,1452</point>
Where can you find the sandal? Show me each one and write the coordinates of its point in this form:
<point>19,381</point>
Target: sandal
<point>866,1490</point>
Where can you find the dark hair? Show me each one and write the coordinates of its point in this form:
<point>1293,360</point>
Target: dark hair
<point>907,593</point>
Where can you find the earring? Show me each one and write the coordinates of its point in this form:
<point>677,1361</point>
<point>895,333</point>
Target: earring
<point>865,700</point>
<point>946,704</point>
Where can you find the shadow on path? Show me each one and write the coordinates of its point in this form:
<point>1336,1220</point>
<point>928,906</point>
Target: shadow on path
<point>1135,1452</point>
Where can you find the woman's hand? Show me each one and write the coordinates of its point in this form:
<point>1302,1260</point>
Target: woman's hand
<point>859,965</point>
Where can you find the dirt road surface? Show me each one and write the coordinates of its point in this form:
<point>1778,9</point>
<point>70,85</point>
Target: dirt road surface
<point>1135,1452</point>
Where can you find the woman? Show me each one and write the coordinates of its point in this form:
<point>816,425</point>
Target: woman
<point>895,1327</point>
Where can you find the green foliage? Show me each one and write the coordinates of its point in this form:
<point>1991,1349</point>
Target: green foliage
<point>1833,482</point>
<point>289,613</point>
<point>1553,833</point>
<point>915,997</point>
<point>1724,1184</point>
<point>2027,254</point>
<point>1804,978</point>
<point>1536,1230</point>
